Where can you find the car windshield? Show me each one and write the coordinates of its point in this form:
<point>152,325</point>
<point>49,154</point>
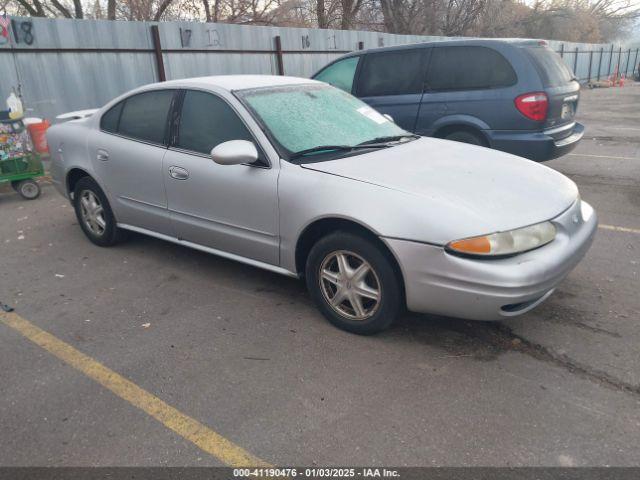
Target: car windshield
<point>314,119</point>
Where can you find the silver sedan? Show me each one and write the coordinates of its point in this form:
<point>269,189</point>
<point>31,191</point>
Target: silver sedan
<point>305,180</point>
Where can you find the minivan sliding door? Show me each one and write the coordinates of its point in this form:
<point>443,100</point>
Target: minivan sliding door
<point>392,82</point>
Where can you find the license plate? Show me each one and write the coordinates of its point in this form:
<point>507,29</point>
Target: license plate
<point>567,110</point>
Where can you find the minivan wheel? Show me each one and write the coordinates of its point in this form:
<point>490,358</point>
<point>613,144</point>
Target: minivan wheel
<point>94,213</point>
<point>353,283</point>
<point>465,136</point>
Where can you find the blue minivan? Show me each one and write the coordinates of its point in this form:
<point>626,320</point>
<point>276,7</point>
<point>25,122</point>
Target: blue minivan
<point>517,96</point>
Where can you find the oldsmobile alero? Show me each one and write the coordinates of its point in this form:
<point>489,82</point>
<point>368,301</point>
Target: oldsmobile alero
<point>303,179</point>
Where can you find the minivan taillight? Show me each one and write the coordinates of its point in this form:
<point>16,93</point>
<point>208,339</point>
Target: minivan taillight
<point>533,105</point>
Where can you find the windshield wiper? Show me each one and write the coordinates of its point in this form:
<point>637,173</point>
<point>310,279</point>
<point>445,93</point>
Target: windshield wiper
<point>328,148</point>
<point>392,138</point>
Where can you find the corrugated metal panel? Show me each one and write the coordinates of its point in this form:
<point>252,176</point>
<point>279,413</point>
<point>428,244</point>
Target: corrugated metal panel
<point>53,82</point>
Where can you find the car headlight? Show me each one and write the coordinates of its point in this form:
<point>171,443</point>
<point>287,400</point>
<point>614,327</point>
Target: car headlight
<point>505,243</point>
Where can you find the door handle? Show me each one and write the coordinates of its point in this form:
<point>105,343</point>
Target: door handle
<point>178,173</point>
<point>102,155</point>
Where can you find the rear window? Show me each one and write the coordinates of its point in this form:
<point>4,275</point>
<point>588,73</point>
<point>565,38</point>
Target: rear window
<point>109,121</point>
<point>468,68</point>
<point>392,73</point>
<point>553,71</point>
<point>144,116</point>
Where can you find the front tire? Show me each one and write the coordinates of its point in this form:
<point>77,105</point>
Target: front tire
<point>94,213</point>
<point>354,284</point>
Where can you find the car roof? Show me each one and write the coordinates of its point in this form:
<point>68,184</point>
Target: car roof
<point>236,82</point>
<point>459,42</point>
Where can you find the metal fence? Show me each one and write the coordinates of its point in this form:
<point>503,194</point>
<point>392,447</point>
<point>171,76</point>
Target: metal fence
<point>58,65</point>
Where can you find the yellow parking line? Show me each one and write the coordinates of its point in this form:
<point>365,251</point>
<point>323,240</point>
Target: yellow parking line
<point>185,426</point>
<point>619,229</point>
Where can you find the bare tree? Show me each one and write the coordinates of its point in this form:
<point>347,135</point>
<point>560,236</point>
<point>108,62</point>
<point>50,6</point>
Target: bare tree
<point>34,8</point>
<point>350,9</point>
<point>460,16</point>
<point>111,9</point>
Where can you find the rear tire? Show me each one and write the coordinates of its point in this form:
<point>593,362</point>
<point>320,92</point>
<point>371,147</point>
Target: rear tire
<point>28,189</point>
<point>353,283</point>
<point>94,213</point>
<point>466,136</point>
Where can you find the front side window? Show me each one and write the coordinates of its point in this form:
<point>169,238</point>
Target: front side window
<point>468,68</point>
<point>302,117</point>
<point>144,116</point>
<point>340,74</point>
<point>392,73</point>
<point>206,121</point>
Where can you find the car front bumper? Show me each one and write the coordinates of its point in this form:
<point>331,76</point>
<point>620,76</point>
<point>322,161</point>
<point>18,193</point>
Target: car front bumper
<point>440,283</point>
<point>539,146</point>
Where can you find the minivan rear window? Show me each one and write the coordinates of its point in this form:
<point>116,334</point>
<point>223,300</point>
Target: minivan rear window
<point>552,69</point>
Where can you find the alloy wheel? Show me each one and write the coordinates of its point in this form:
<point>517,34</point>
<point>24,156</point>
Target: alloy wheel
<point>350,285</point>
<point>92,213</point>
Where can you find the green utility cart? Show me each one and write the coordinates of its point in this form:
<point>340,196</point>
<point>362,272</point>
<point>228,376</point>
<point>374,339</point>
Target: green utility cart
<point>19,164</point>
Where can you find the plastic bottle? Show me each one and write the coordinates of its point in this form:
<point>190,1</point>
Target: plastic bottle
<point>14,105</point>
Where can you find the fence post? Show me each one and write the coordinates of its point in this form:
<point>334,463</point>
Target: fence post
<point>157,50</point>
<point>626,69</point>
<point>360,45</point>
<point>575,63</point>
<point>610,60</point>
<point>590,63</point>
<point>600,62</point>
<point>562,50</point>
<point>619,58</point>
<point>279,59</point>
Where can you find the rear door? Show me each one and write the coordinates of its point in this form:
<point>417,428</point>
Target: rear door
<point>392,81</point>
<point>560,85</point>
<point>127,154</point>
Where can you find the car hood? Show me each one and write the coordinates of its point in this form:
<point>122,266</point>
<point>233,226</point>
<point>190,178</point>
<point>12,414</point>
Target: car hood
<point>485,190</point>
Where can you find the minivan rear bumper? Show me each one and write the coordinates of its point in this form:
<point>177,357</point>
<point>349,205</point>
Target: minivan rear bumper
<point>539,146</point>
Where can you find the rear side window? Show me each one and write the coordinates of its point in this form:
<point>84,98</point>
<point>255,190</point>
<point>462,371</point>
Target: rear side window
<point>552,69</point>
<point>109,121</point>
<point>206,121</point>
<point>392,73</point>
<point>340,74</point>
<point>144,116</point>
<point>468,68</point>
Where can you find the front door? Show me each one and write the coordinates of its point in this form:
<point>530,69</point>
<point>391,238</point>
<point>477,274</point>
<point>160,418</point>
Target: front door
<point>127,154</point>
<point>233,208</point>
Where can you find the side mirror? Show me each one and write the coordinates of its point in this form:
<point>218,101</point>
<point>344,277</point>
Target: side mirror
<point>388,117</point>
<point>234,152</point>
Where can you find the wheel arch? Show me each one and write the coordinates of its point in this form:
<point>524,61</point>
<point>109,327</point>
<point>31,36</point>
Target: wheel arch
<point>447,125</point>
<point>73,175</point>
<point>321,227</point>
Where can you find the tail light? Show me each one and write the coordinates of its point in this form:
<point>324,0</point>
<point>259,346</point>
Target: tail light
<point>533,105</point>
